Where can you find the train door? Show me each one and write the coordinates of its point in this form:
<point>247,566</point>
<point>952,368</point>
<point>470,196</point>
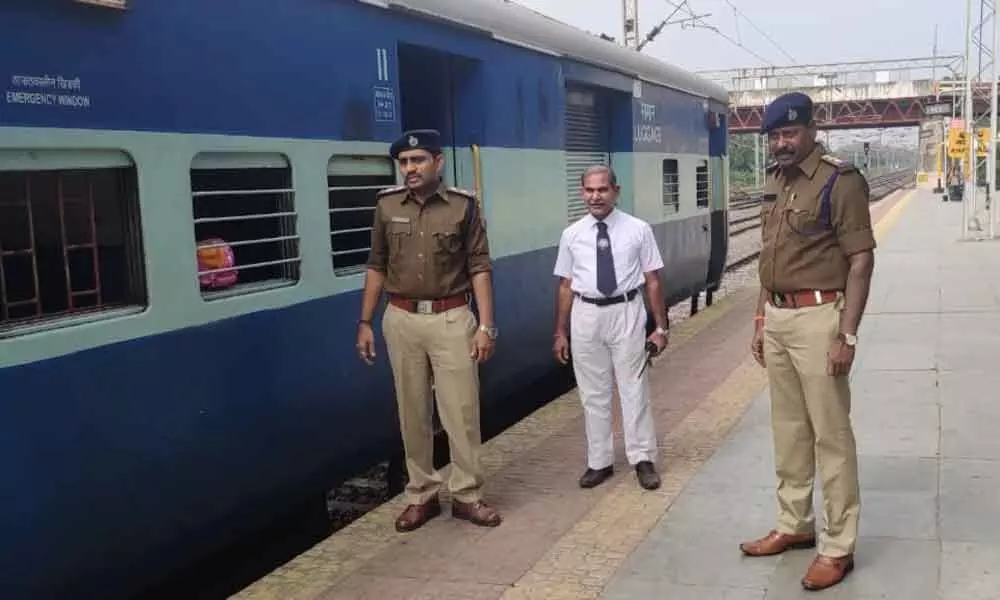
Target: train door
<point>587,141</point>
<point>443,91</point>
<point>718,183</point>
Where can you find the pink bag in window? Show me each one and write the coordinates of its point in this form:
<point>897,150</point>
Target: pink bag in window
<point>219,255</point>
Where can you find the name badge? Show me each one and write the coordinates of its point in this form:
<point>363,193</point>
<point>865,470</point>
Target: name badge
<point>401,219</point>
<point>769,197</point>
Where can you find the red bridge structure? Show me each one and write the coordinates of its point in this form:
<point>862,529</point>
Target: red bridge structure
<point>852,95</point>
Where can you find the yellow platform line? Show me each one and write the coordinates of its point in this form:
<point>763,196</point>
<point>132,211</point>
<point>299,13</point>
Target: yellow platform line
<point>889,219</point>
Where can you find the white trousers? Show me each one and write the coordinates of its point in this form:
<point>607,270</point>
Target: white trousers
<point>609,341</point>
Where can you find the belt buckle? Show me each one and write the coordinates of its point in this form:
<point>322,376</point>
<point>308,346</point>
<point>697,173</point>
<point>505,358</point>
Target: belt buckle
<point>425,307</point>
<point>777,299</point>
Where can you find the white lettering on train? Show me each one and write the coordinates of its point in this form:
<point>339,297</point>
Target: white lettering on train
<point>21,84</point>
<point>648,131</point>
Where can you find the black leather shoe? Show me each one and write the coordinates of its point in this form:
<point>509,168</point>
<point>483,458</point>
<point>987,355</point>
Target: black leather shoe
<point>595,477</point>
<point>647,476</point>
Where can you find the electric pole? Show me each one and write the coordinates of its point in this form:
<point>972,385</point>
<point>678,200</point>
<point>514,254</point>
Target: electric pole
<point>630,9</point>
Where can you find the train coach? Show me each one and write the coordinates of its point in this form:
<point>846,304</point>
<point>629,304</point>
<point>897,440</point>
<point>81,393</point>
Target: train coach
<point>186,194</point>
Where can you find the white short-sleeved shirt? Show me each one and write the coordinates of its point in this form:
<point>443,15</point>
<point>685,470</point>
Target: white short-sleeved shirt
<point>633,248</point>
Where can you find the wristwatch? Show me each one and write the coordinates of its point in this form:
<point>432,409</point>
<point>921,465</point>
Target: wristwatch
<point>850,339</point>
<point>491,332</point>
<point>661,331</point>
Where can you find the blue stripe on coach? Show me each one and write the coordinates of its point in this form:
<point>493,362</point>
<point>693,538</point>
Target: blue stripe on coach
<point>225,76</point>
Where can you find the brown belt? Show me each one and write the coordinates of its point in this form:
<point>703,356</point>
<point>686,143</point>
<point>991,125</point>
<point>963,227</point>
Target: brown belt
<point>802,298</point>
<point>428,307</point>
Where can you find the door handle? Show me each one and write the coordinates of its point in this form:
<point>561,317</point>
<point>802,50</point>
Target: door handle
<point>704,227</point>
<point>477,176</point>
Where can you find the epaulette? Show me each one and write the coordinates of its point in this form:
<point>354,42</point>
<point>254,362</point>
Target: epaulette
<point>842,165</point>
<point>461,192</point>
<point>473,212</point>
<point>391,190</point>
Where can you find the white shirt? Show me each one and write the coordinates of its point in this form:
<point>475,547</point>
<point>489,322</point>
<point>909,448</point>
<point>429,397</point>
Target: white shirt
<point>633,249</point>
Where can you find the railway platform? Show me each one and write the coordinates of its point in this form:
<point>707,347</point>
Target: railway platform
<point>925,411</point>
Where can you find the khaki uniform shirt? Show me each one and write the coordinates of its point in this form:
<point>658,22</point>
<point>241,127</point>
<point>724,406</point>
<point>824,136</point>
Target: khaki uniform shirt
<point>798,253</point>
<point>428,250</point>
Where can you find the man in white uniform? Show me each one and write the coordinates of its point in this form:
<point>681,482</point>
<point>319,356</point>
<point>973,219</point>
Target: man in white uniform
<point>604,259</point>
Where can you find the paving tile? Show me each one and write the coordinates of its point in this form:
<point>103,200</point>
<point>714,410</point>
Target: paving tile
<point>749,512</point>
<point>460,591</point>
<point>970,490</point>
<point>897,474</point>
<point>899,515</point>
<point>917,355</point>
<point>884,568</point>
<point>696,558</point>
<point>970,571</point>
<point>642,589</point>
<point>896,388</point>
<point>365,586</point>
<point>899,327</point>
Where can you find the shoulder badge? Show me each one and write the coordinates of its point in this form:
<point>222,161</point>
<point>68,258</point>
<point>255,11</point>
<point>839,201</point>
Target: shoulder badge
<point>391,190</point>
<point>842,165</point>
<point>462,192</point>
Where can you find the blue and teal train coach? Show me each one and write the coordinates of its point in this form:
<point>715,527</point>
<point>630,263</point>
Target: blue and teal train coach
<point>149,415</point>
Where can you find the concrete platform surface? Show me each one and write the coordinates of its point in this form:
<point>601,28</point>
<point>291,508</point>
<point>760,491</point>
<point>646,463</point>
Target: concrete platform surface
<point>926,415</point>
<point>926,409</point>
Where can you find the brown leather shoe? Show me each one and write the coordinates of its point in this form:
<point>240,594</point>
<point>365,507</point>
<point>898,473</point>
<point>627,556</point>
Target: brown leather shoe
<point>479,513</point>
<point>826,571</point>
<point>776,543</point>
<point>415,515</point>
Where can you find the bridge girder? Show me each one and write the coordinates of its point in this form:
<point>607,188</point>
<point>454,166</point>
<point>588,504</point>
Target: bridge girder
<point>895,112</point>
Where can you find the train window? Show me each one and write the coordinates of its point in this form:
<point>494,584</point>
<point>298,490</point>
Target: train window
<point>671,187</point>
<point>353,182</point>
<point>245,223</point>
<point>702,184</point>
<point>70,239</point>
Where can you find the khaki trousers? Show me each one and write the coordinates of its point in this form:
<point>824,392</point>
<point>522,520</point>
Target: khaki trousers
<point>439,345</point>
<point>810,419</point>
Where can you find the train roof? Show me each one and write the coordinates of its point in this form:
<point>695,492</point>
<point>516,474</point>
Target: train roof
<point>512,23</point>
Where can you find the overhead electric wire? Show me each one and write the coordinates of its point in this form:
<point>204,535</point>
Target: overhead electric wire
<point>699,22</point>
<point>759,30</point>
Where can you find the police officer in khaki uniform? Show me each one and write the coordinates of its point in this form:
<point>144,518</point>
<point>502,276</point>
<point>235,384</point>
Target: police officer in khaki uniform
<point>815,270</point>
<point>428,252</point>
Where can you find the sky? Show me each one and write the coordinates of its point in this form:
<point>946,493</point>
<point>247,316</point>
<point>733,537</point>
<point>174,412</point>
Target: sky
<point>781,33</point>
<point>810,31</point>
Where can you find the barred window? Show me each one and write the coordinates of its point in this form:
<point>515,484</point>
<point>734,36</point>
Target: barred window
<point>702,184</point>
<point>353,183</point>
<point>245,223</point>
<point>671,187</point>
<point>70,239</point>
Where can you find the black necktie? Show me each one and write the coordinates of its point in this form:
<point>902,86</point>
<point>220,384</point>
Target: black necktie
<point>606,280</point>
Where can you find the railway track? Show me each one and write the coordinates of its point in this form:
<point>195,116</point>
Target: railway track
<point>879,186</point>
